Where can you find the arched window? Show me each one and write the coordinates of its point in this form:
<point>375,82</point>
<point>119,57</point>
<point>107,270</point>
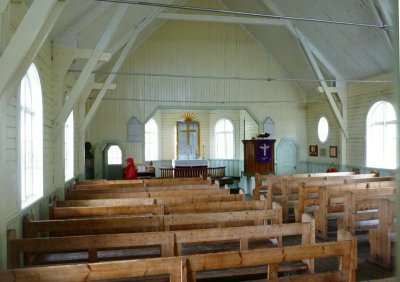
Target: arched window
<point>114,155</point>
<point>69,147</point>
<point>224,139</point>
<point>381,136</point>
<point>31,137</point>
<point>151,140</point>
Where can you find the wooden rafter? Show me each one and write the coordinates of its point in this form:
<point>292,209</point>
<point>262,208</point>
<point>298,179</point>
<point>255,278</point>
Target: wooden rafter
<point>109,80</point>
<point>327,90</point>
<point>86,73</point>
<point>27,41</point>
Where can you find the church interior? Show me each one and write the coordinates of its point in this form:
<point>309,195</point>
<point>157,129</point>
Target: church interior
<point>209,140</point>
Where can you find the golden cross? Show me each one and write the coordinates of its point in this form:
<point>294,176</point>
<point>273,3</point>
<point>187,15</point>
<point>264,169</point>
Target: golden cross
<point>188,130</point>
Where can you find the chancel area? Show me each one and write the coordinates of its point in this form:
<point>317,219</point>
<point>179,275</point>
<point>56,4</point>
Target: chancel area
<point>198,140</point>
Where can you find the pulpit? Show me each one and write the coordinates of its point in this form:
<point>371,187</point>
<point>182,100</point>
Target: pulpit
<point>259,156</point>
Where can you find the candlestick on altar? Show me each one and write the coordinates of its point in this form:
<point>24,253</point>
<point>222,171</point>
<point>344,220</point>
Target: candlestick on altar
<point>203,152</point>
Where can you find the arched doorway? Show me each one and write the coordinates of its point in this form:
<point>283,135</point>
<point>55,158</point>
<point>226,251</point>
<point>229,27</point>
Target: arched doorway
<point>286,157</point>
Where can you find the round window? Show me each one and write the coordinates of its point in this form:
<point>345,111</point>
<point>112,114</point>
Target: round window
<point>323,129</point>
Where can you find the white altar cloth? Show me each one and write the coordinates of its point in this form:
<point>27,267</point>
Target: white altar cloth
<point>189,163</point>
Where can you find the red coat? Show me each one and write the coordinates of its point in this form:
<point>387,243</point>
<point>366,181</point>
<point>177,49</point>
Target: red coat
<point>131,172</point>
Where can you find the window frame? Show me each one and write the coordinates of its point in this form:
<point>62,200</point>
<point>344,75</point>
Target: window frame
<point>152,153</point>
<point>69,152</point>
<point>380,163</point>
<point>327,129</point>
<point>225,133</point>
<point>116,160</point>
<point>33,111</point>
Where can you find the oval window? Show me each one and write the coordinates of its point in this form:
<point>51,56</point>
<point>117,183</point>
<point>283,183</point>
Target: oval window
<point>323,129</point>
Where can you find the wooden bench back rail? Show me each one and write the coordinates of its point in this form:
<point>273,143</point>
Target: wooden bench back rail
<point>194,265</point>
<point>333,201</point>
<point>139,183</point>
<point>346,250</point>
<point>78,212</point>
<point>174,267</point>
<point>245,233</point>
<point>144,188</point>
<point>89,243</point>
<point>170,243</point>
<point>222,219</point>
<point>309,194</point>
<point>171,201</point>
<point>382,236</point>
<point>96,211</point>
<point>103,202</point>
<point>81,195</point>
<point>126,224</point>
<point>147,201</point>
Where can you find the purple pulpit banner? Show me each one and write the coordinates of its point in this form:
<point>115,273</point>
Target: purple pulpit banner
<point>264,151</point>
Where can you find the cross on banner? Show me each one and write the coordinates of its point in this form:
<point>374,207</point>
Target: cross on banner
<point>264,148</point>
<point>188,130</point>
<point>264,151</point>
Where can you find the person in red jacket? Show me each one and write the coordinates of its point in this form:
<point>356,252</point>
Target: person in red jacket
<point>130,171</point>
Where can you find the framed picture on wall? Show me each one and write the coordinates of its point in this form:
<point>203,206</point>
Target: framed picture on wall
<point>313,151</point>
<point>333,151</point>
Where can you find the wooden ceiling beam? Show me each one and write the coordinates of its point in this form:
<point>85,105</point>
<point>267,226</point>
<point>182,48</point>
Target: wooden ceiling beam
<point>26,42</point>
<point>327,90</point>
<point>221,19</point>
<point>86,73</point>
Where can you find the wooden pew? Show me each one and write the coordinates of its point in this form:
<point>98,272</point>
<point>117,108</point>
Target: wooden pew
<point>309,192</point>
<point>195,265</point>
<point>82,195</point>
<point>174,200</point>
<point>105,181</point>
<point>215,207</point>
<point>147,201</point>
<point>40,251</point>
<point>284,189</point>
<point>200,266</point>
<point>223,219</point>
<point>144,188</point>
<point>333,201</point>
<point>98,211</point>
<point>126,224</point>
<point>361,208</point>
<point>382,237</point>
<point>137,183</point>
<point>174,267</point>
<point>244,234</point>
<point>31,248</point>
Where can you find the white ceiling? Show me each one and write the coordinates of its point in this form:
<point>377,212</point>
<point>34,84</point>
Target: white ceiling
<point>343,51</point>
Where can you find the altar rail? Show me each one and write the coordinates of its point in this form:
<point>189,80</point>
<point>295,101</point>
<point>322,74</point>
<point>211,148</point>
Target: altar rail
<point>183,172</point>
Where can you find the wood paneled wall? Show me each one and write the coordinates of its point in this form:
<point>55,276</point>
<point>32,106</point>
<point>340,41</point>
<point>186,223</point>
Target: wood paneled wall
<point>200,66</point>
<point>360,97</point>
